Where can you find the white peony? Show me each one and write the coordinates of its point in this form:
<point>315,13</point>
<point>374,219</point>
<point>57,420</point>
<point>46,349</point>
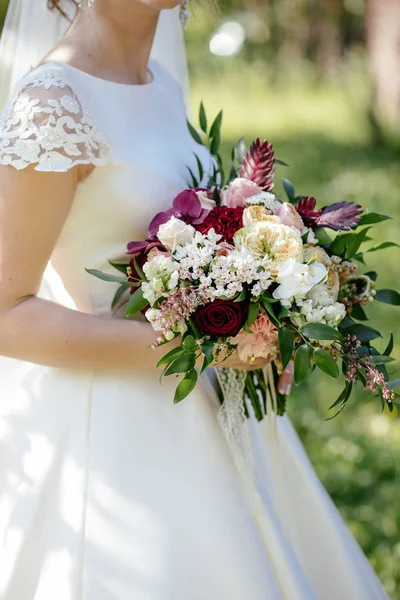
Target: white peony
<point>330,315</point>
<point>296,280</point>
<point>272,244</point>
<point>175,233</point>
<point>265,199</point>
<point>163,277</point>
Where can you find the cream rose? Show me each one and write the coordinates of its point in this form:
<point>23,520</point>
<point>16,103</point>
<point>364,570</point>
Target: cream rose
<point>254,214</point>
<point>175,233</point>
<point>271,243</point>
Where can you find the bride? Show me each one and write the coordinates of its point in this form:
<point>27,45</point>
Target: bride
<point>107,490</point>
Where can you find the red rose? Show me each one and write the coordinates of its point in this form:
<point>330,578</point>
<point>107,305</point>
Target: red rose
<point>221,317</point>
<point>224,220</point>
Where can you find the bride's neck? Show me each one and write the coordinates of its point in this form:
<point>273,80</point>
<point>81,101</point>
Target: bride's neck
<point>110,44</point>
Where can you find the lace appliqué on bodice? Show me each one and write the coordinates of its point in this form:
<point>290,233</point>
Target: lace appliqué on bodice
<point>46,124</point>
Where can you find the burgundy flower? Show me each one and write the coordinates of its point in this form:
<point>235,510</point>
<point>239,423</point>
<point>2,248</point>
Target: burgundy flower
<point>306,209</point>
<point>186,207</point>
<point>221,317</point>
<point>225,221</point>
<point>259,165</point>
<point>340,216</point>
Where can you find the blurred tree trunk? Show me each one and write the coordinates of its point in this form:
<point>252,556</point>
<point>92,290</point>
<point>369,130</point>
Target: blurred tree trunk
<point>383,38</point>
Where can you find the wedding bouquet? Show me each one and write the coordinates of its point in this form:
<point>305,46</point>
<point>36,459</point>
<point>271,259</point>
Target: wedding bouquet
<point>232,267</point>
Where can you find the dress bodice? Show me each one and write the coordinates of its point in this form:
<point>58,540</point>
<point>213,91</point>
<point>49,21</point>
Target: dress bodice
<point>135,135</point>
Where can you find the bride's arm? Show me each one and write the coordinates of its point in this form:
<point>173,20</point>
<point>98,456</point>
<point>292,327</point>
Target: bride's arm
<point>33,209</point>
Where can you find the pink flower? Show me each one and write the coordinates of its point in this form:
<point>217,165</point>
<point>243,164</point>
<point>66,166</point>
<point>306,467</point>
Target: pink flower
<point>224,249</point>
<point>262,343</point>
<point>289,216</point>
<point>153,252</point>
<point>238,191</point>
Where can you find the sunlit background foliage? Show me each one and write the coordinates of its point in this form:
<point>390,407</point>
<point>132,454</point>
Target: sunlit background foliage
<point>321,80</point>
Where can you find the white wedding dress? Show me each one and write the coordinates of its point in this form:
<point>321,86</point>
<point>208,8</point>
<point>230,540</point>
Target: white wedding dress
<point>107,490</point>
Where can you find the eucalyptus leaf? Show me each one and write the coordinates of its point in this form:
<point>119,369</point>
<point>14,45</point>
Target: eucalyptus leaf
<point>106,276</point>
<point>118,295</point>
<point>136,303</point>
<point>119,266</point>
<point>289,189</point>
<point>186,386</point>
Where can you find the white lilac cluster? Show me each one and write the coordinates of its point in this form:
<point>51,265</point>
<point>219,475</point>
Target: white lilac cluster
<point>195,256</point>
<point>228,273</point>
<point>162,278</point>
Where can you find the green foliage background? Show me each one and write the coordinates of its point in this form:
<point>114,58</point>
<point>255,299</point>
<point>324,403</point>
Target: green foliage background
<point>319,123</point>
<point>321,127</point>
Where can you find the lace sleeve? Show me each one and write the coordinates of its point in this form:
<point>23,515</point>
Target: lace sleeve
<point>46,124</point>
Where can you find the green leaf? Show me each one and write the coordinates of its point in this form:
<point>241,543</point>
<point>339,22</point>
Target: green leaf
<point>373,275</point>
<point>186,386</point>
<point>338,245</point>
<point>207,348</point>
<point>372,218</point>
<point>171,355</point>
<point>393,384</point>
<point>195,183</point>
<point>302,364</point>
<point>119,266</point>
<point>194,133</point>
<point>199,166</point>
<point>182,364</point>
<point>389,348</point>
<point>216,126</point>
<point>320,331</point>
<point>363,332</point>
<point>136,303</point>
<point>286,345</point>
<point>381,360</point>
<point>240,150</point>
<point>139,270</point>
<point>118,295</point>
<point>388,297</point>
<point>359,313</point>
<point>254,309</point>
<point>344,396</point>
<point>281,163</point>
<point>325,362</point>
<point>242,296</point>
<point>106,276</point>
<point>354,242</point>
<point>322,235</point>
<point>289,189</point>
<point>382,246</point>
<point>270,311</point>
<point>189,343</point>
<point>203,118</point>
<point>215,144</point>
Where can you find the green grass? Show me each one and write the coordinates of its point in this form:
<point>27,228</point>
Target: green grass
<point>323,134</point>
